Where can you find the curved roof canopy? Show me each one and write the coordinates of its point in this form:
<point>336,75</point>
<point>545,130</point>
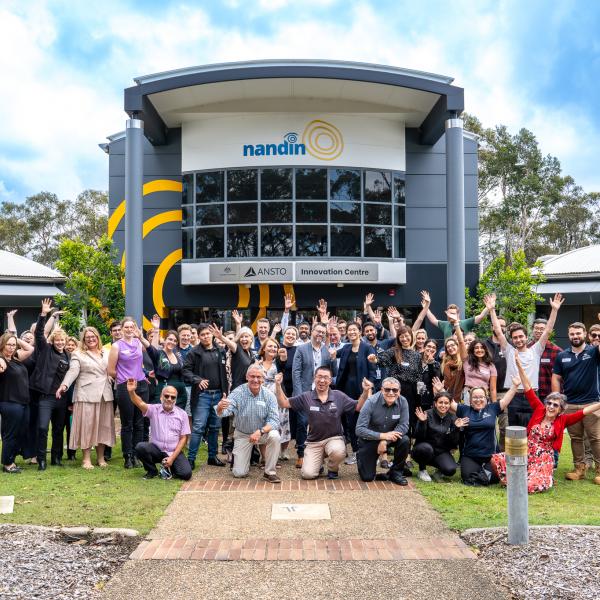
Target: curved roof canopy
<point>15,267</point>
<point>579,263</point>
<point>421,100</point>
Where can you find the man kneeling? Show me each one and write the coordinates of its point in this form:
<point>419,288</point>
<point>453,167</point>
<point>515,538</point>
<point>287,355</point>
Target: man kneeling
<point>169,431</point>
<point>383,420</point>
<point>256,421</point>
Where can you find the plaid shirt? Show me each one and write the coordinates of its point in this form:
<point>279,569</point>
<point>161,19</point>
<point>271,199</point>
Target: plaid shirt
<point>252,412</point>
<point>546,365</point>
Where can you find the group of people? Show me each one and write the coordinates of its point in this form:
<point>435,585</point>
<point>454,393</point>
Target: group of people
<point>385,399</point>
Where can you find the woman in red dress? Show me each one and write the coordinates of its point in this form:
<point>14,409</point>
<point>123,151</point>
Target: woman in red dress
<point>544,435</point>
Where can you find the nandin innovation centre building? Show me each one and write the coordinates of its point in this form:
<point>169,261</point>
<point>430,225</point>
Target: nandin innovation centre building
<point>234,184</point>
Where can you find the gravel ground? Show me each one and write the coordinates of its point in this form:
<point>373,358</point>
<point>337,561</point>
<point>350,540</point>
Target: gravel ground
<point>38,563</point>
<point>310,580</point>
<point>357,514</point>
<point>559,562</point>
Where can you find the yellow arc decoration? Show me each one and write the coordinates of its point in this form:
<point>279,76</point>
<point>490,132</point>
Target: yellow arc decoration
<point>323,140</point>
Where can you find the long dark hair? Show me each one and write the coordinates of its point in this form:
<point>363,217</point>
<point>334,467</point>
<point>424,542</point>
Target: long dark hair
<point>473,360</point>
<point>398,346</point>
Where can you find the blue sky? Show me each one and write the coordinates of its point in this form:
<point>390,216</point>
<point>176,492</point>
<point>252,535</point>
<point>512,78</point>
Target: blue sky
<point>64,65</point>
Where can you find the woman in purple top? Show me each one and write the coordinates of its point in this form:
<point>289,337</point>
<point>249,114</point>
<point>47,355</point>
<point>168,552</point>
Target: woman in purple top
<point>125,362</point>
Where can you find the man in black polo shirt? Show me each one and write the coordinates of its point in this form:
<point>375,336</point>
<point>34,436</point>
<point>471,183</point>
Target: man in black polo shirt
<point>577,370</point>
<point>383,419</point>
<point>324,409</point>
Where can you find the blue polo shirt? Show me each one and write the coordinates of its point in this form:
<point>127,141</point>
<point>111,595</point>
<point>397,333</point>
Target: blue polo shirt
<point>480,433</point>
<point>579,373</point>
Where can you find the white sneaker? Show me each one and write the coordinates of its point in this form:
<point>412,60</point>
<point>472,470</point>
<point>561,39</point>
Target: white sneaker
<point>424,476</point>
<point>350,459</point>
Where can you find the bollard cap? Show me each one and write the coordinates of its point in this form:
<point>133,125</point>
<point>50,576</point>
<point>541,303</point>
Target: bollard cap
<point>516,432</point>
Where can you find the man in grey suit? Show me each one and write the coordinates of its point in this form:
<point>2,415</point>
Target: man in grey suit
<point>307,359</point>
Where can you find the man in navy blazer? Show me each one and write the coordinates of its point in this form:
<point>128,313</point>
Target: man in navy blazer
<point>307,359</point>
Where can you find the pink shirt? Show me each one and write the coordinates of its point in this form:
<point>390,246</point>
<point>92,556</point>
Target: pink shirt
<point>481,377</point>
<point>166,428</point>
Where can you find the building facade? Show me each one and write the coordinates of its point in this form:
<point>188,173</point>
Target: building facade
<point>314,178</point>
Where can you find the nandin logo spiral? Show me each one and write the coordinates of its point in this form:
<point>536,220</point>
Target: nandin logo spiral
<point>291,137</point>
<point>323,140</point>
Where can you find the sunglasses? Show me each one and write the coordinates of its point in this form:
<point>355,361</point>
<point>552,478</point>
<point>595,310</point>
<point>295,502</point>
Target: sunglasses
<point>170,396</point>
<point>595,336</point>
<point>391,390</point>
<point>551,404</point>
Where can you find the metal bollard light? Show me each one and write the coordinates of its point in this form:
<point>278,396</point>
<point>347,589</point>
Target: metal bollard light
<point>516,483</point>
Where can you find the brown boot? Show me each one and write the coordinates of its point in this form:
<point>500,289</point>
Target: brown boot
<point>578,473</point>
<point>299,462</point>
<point>597,478</point>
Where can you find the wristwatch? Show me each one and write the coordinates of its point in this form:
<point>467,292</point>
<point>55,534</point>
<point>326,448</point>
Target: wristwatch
<point>262,431</point>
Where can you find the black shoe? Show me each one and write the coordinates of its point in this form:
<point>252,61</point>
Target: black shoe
<point>321,470</point>
<point>398,479</point>
<point>107,453</point>
<point>71,455</point>
<point>137,462</point>
<point>215,462</point>
<point>192,463</point>
<point>41,465</point>
<point>332,474</point>
<point>129,462</point>
<point>150,476</point>
<point>382,477</point>
<point>56,461</point>
<point>406,472</point>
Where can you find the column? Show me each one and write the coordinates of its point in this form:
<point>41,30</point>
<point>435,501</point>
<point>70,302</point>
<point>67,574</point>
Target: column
<point>134,175</point>
<point>455,212</point>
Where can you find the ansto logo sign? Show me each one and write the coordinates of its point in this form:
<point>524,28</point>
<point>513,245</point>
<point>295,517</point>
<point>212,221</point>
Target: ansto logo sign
<point>320,139</point>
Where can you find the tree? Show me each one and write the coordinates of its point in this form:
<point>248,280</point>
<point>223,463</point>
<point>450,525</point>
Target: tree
<point>94,295</point>
<point>514,285</point>
<point>36,226</point>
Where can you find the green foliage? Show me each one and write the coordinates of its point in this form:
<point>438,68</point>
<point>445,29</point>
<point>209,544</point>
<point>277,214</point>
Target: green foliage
<point>94,295</point>
<point>514,285</point>
<point>36,227</point>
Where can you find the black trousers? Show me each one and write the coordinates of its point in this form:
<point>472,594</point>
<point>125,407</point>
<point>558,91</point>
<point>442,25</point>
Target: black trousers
<point>150,454</point>
<point>29,443</point>
<point>132,420</point>
<point>367,457</point>
<point>50,409</point>
<point>425,454</point>
<point>349,423</point>
<point>469,466</point>
<point>13,429</point>
<point>519,411</point>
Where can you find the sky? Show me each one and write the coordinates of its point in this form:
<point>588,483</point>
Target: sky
<point>64,65</point>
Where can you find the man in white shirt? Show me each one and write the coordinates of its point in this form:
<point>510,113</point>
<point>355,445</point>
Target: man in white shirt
<point>519,411</point>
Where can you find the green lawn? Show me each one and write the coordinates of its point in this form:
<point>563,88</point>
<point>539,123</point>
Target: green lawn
<point>568,502</point>
<point>111,497</point>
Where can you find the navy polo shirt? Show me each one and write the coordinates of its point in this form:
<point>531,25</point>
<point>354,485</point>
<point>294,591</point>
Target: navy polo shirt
<point>480,433</point>
<point>579,373</point>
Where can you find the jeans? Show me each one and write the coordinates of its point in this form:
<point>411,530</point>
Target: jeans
<point>52,409</point>
<point>14,419</point>
<point>132,421</point>
<point>203,416</point>
<point>301,433</point>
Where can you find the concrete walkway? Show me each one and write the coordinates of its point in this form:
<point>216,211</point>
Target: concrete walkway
<point>217,540</point>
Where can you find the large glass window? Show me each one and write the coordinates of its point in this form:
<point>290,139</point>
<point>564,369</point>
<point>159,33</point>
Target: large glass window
<point>287,212</point>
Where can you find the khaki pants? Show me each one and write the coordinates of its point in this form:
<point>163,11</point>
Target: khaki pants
<point>590,425</point>
<point>314,453</point>
<point>242,452</point>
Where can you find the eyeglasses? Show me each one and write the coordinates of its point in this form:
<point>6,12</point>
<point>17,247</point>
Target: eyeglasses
<point>170,396</point>
<point>595,336</point>
<point>391,390</point>
<point>551,404</point>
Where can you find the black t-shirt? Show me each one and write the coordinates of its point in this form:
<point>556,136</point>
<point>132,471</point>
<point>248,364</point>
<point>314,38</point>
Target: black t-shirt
<point>212,368</point>
<point>14,383</point>
<point>62,366</point>
<point>499,360</point>
<point>240,361</point>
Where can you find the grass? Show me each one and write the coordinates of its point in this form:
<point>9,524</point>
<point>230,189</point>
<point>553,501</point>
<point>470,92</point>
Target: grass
<point>68,496</point>
<point>568,502</point>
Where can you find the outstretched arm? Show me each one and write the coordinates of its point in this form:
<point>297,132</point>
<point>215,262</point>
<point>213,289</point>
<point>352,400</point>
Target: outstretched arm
<point>279,393</point>
<point>482,315</point>
<point>425,303</point>
<point>555,303</point>
<point>131,386</point>
<point>490,303</point>
<point>508,397</point>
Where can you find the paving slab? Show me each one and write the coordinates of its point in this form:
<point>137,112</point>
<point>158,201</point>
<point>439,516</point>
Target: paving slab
<point>334,580</point>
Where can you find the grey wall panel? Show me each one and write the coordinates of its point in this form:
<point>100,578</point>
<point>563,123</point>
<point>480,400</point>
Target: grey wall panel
<point>154,165</point>
<point>471,218</point>
<point>425,190</point>
<point>472,245</point>
<point>418,217</point>
<point>435,164</point>
<point>426,245</point>
<point>471,191</point>
<point>119,242</point>
<point>116,191</point>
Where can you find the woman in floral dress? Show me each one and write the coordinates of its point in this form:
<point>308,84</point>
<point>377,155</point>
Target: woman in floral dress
<point>544,435</point>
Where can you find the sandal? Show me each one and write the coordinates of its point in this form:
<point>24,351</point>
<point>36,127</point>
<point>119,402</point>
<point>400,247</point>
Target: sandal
<point>102,465</point>
<point>87,466</point>
<point>14,469</point>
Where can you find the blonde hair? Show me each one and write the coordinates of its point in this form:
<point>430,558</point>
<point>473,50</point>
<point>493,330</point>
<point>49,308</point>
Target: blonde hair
<point>57,333</point>
<point>82,345</point>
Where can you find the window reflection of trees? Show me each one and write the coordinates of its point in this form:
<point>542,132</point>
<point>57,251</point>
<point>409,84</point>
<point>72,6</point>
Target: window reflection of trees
<point>242,184</point>
<point>276,241</point>
<point>242,242</point>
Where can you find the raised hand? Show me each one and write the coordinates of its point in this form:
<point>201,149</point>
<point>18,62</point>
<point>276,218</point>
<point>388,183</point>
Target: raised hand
<point>279,378</point>
<point>322,307</point>
<point>223,403</point>
<point>461,422</point>
<point>369,299</point>
<point>437,385</point>
<point>367,386</point>
<point>377,314</point>
<point>489,301</point>
<point>425,298</point>
<point>276,329</point>
<point>46,306</point>
<point>215,331</point>
<point>325,318</point>
<point>420,414</point>
<point>288,302</point>
<point>155,321</point>
<point>557,301</point>
<point>11,313</point>
<point>392,313</point>
<point>332,354</point>
<point>516,381</point>
<point>238,317</point>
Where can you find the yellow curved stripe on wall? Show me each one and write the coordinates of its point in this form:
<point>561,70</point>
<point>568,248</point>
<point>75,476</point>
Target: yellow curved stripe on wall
<point>243,296</point>
<point>159,281</point>
<point>156,185</point>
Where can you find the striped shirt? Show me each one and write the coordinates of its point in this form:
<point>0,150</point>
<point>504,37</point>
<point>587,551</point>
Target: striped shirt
<point>251,412</point>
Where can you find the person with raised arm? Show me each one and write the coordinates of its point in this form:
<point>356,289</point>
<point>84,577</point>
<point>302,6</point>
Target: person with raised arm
<point>125,361</point>
<point>519,411</point>
<point>453,314</point>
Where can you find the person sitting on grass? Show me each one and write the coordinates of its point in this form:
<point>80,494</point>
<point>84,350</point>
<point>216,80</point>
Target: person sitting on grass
<point>545,432</point>
<point>256,420</point>
<point>169,431</point>
<point>437,434</point>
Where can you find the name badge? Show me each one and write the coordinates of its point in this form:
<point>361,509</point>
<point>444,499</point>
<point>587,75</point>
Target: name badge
<point>395,416</point>
<point>405,364</point>
<point>566,360</point>
<point>315,408</point>
<point>377,373</point>
<point>545,360</point>
<point>260,403</point>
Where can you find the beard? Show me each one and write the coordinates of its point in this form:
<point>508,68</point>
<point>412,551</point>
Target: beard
<point>577,343</point>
